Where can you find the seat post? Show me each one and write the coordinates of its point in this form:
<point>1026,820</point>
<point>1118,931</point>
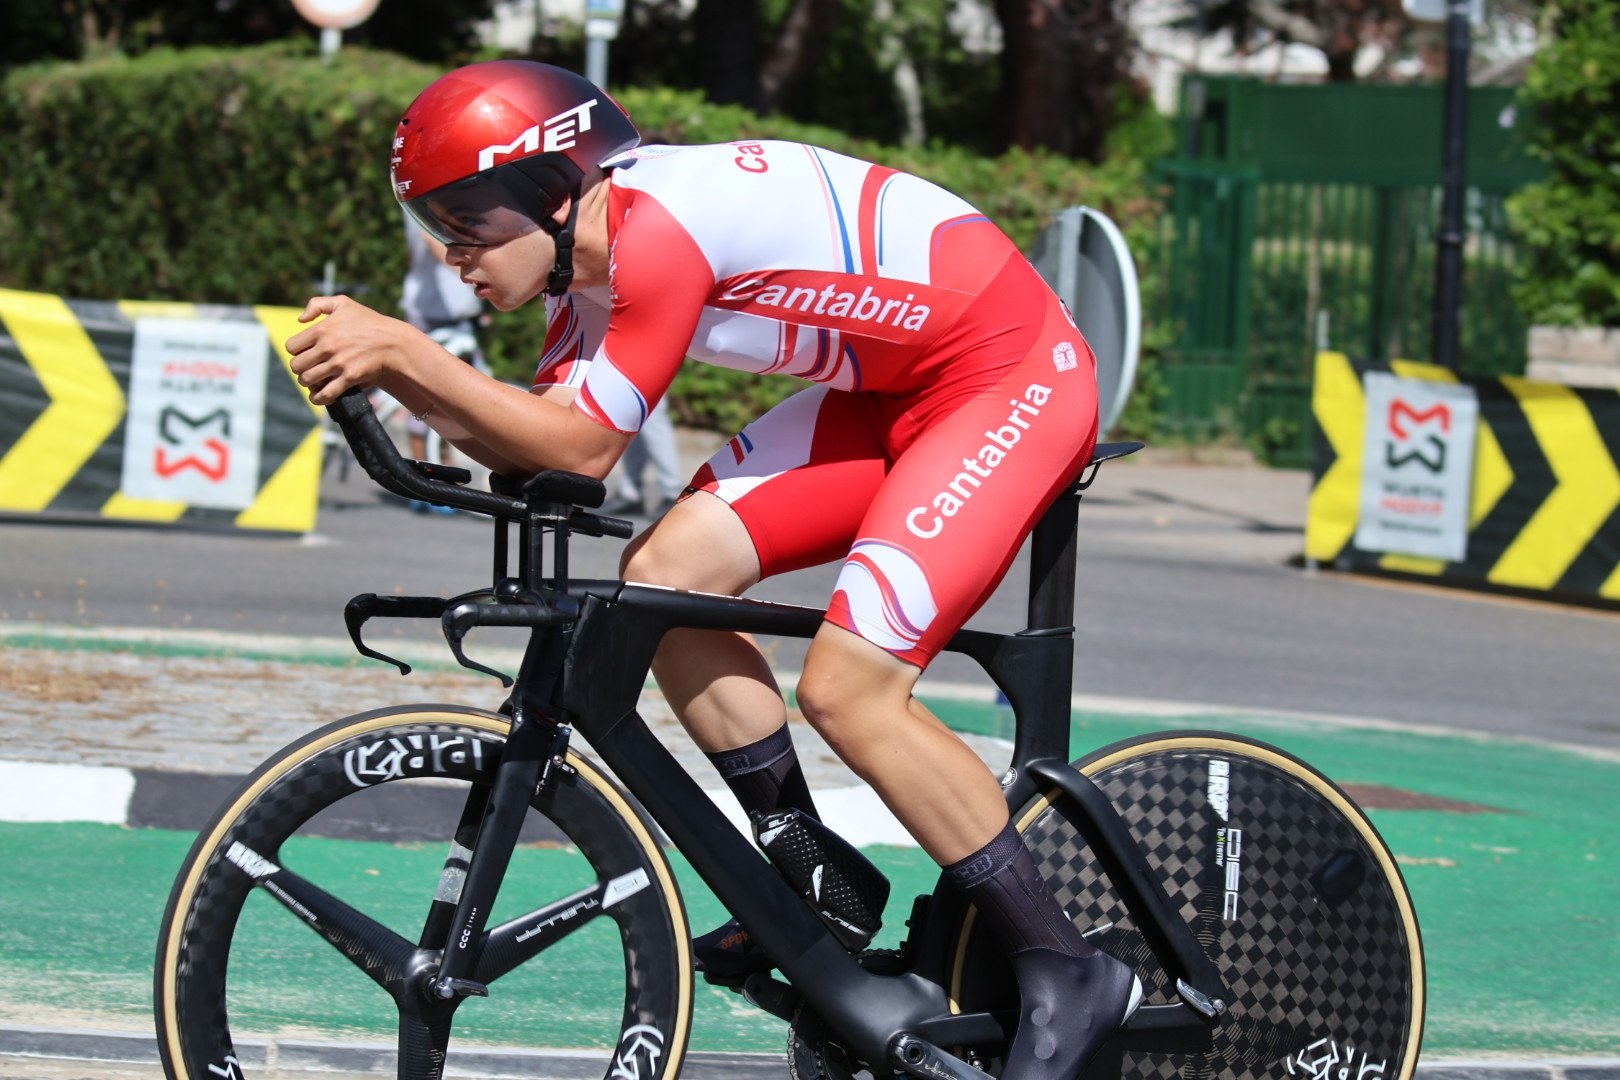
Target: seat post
<point>1052,563</point>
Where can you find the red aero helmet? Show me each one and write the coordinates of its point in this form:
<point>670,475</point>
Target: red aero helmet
<point>489,150</point>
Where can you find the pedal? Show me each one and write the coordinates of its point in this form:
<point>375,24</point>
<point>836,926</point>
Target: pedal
<point>918,1057</point>
<point>1209,1007</point>
<point>449,988</point>
<point>771,995</point>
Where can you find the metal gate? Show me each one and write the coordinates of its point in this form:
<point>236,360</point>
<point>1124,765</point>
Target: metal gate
<point>1304,218</point>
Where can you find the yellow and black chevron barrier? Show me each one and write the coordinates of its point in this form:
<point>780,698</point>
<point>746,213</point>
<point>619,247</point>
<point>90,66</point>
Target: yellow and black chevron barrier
<point>1544,503</point>
<point>156,412</point>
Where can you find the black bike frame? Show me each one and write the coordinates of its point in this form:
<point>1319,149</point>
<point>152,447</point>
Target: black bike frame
<point>590,649</point>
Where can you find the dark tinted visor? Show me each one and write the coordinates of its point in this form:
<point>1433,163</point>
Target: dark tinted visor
<point>491,208</point>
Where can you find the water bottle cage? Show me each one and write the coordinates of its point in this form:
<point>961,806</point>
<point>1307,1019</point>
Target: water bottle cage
<point>833,877</point>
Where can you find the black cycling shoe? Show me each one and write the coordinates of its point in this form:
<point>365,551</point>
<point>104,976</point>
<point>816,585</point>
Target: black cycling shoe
<point>1069,1006</point>
<point>727,953</point>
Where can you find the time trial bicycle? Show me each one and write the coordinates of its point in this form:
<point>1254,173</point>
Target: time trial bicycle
<point>1268,921</point>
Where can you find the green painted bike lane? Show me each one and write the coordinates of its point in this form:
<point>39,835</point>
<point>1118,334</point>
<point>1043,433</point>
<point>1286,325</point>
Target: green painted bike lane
<point>1511,851</point>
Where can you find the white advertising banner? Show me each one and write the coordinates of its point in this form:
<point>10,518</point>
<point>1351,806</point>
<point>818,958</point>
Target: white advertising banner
<point>1417,467</point>
<point>196,412</point>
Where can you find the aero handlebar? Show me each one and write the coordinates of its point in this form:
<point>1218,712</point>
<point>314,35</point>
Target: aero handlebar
<point>557,496</point>
<point>375,450</point>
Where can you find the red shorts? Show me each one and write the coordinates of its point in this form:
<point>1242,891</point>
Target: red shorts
<point>926,497</point>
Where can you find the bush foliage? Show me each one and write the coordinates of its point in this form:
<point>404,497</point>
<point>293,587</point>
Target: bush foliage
<point>1570,222</point>
<point>236,176</point>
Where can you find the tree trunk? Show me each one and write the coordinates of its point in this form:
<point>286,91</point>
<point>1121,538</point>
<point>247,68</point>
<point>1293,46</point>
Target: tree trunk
<point>1060,63</point>
<point>99,27</point>
<point>728,50</point>
<point>896,60</point>
<point>794,53</point>
<point>1340,49</point>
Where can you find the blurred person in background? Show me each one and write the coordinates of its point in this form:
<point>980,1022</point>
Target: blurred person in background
<point>437,302</point>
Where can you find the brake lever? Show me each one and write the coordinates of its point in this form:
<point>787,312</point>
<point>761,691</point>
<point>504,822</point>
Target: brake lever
<point>453,639</point>
<point>367,606</point>
<point>458,618</point>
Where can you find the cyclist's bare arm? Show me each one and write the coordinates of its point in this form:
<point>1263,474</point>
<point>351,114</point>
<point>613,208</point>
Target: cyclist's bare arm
<point>502,426</point>
<point>463,440</point>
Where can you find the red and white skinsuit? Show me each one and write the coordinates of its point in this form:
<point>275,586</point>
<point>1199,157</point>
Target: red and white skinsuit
<point>952,395</point>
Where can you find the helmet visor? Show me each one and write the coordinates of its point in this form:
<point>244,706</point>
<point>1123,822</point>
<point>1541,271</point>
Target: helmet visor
<point>490,208</point>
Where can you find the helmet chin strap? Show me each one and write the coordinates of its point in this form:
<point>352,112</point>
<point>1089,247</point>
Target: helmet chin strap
<point>562,271</point>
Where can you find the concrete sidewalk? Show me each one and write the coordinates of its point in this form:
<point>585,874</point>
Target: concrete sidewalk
<point>200,705</point>
<point>1216,502</point>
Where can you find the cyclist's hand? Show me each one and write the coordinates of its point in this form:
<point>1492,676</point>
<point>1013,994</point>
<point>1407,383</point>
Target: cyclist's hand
<point>353,346</point>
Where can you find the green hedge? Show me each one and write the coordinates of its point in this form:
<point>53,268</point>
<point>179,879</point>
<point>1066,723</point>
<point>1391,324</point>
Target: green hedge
<point>216,176</point>
<point>1570,222</point>
<point>235,176</point>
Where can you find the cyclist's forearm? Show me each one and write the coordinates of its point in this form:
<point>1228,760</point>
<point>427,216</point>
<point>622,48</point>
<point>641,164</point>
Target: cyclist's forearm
<point>423,406</point>
<point>480,453</point>
<point>524,432</point>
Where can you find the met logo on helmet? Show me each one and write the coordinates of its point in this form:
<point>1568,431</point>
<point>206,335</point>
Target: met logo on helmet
<point>558,133</point>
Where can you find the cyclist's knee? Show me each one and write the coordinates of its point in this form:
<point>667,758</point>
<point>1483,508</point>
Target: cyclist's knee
<point>699,544</point>
<point>850,689</point>
<point>826,703</point>
<point>832,714</point>
<point>637,563</point>
<point>655,558</point>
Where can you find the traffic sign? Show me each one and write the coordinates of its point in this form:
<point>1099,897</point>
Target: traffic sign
<point>336,14</point>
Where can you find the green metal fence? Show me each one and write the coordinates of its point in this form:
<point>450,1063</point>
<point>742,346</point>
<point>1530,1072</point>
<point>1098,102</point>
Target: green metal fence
<point>1304,217</point>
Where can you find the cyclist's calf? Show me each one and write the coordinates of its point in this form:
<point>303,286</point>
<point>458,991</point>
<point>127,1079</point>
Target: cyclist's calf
<point>858,698</point>
<point>718,684</point>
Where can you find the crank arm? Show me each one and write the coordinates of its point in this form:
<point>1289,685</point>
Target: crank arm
<point>917,1057</point>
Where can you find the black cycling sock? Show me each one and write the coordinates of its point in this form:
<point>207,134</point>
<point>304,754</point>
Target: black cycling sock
<point>766,775</point>
<point>1071,997</point>
<point>1000,880</point>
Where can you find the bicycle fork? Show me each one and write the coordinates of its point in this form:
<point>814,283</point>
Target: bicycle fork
<point>487,833</point>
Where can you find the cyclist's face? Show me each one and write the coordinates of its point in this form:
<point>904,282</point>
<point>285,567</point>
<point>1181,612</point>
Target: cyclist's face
<point>506,275</point>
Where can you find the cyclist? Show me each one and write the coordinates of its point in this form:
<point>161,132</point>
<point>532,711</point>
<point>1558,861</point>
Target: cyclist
<point>952,398</point>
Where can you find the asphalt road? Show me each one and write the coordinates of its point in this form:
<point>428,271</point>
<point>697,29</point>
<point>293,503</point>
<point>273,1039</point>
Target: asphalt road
<point>1186,595</point>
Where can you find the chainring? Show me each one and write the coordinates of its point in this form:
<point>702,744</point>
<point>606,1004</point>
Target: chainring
<point>811,1056</point>
<point>812,1053</point>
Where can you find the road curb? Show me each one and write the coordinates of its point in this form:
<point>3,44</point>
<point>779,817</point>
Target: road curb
<point>290,1055</point>
<point>299,1056</point>
<point>45,792</point>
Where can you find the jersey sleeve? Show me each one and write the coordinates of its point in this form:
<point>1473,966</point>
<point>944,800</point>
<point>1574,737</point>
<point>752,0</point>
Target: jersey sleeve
<point>574,330</point>
<point>661,279</point>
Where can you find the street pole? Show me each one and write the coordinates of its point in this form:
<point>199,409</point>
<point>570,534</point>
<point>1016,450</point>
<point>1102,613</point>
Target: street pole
<point>332,17</point>
<point>1448,261</point>
<point>601,26</point>
<point>596,57</point>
